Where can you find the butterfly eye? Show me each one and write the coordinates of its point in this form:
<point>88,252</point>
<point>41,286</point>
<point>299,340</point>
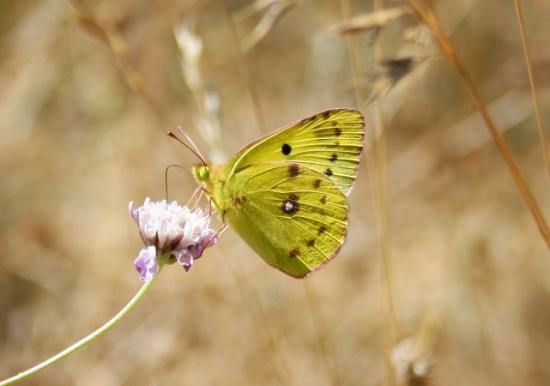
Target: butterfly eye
<point>202,172</point>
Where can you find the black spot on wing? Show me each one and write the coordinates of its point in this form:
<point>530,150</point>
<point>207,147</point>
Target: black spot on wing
<point>290,205</point>
<point>333,157</point>
<point>328,172</point>
<point>294,253</point>
<point>317,183</point>
<point>286,149</point>
<point>293,170</point>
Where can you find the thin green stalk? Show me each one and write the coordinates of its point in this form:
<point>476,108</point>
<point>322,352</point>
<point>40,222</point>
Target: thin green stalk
<point>84,341</point>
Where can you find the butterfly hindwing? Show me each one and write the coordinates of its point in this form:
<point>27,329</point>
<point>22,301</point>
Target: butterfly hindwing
<point>293,216</point>
<point>329,142</point>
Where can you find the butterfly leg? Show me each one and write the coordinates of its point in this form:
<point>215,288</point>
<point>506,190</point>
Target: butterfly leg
<point>195,198</point>
<point>215,236</point>
<point>222,229</point>
<point>212,200</point>
<point>224,224</point>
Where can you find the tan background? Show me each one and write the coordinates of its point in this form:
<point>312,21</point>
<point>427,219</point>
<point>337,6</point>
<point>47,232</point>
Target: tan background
<point>87,91</point>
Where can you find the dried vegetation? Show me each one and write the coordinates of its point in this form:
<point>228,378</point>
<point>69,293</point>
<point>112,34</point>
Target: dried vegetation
<point>445,277</point>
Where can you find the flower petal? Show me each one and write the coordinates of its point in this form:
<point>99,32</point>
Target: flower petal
<point>146,263</point>
<point>133,212</point>
<point>185,259</point>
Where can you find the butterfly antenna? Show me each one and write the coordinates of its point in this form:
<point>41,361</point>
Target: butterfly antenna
<point>193,149</point>
<point>197,151</point>
<point>166,178</point>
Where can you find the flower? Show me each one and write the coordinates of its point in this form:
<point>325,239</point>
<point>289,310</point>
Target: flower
<point>171,233</point>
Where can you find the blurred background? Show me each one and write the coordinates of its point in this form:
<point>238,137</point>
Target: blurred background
<point>444,279</point>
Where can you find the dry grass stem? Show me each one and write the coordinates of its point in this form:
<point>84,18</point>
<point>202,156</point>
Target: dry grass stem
<point>457,141</point>
<point>380,168</point>
<point>260,319</point>
<point>435,223</point>
<point>270,13</point>
<point>119,51</point>
<point>532,85</point>
<point>390,325</point>
<point>354,59</point>
<point>207,102</point>
<point>375,164</point>
<point>373,21</point>
<point>244,70</point>
<point>426,13</point>
<point>322,333</point>
<point>255,8</point>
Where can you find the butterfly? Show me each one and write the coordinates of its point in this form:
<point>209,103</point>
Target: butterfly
<point>286,193</point>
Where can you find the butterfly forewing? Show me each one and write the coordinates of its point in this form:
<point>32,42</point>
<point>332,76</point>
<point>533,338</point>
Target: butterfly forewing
<point>293,216</point>
<point>329,143</point>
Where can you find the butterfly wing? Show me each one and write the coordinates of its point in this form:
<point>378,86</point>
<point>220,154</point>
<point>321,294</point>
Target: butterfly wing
<point>292,216</point>
<point>329,142</point>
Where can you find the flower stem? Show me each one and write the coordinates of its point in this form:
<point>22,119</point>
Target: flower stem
<point>84,341</point>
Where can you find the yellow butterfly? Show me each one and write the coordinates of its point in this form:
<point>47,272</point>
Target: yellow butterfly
<point>285,193</point>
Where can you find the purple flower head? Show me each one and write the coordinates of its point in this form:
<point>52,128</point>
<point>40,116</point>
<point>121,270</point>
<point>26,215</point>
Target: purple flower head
<point>174,232</point>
